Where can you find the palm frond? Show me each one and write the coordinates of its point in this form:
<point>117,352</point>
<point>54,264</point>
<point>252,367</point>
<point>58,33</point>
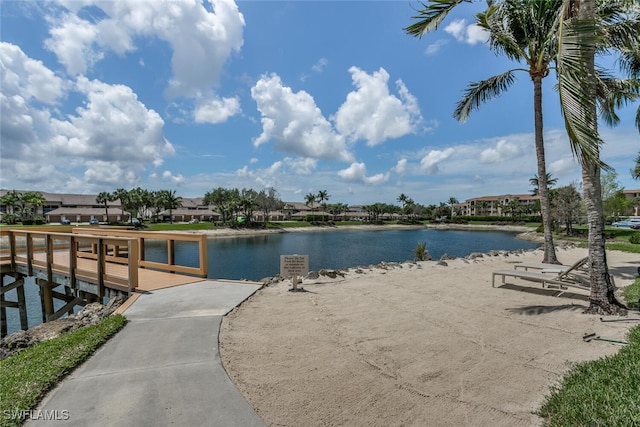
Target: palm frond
<point>431,16</point>
<point>482,91</point>
<point>577,89</point>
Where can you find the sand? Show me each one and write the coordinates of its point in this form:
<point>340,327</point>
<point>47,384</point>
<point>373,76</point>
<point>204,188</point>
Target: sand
<point>414,344</point>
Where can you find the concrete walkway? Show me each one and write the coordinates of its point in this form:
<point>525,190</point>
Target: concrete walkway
<point>163,368</point>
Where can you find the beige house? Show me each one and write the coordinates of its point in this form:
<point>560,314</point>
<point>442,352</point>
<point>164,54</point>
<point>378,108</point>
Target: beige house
<point>495,205</point>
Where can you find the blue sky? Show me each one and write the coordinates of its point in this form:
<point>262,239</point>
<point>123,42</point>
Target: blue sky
<point>301,96</point>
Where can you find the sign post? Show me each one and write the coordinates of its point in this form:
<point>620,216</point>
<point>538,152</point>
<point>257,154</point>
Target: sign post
<point>292,266</point>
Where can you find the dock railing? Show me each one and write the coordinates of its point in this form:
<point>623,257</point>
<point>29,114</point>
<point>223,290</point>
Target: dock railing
<point>73,257</point>
<point>170,239</point>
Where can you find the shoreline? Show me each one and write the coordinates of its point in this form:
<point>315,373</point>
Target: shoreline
<point>523,232</point>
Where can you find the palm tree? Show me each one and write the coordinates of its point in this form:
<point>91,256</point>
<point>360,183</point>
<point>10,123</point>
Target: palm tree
<point>10,200</point>
<point>635,172</point>
<point>534,182</point>
<point>31,201</point>
<point>452,202</point>
<point>170,201</point>
<point>310,200</point>
<point>323,197</point>
<point>524,31</point>
<point>104,198</point>
<point>587,28</point>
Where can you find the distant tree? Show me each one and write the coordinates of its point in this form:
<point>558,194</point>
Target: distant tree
<point>104,198</point>
<point>224,200</point>
<point>310,200</point>
<point>567,206</point>
<point>268,201</point>
<point>30,201</point>
<point>125,203</point>
<point>10,201</point>
<point>635,172</point>
<point>614,202</point>
<point>535,183</point>
<point>322,198</point>
<point>248,203</point>
<point>166,200</point>
<point>452,202</point>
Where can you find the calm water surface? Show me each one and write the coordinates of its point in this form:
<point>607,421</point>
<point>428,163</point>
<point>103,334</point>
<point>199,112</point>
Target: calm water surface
<point>257,257</point>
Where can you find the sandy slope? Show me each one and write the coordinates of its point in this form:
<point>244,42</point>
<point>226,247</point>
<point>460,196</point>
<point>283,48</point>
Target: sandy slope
<point>420,345</point>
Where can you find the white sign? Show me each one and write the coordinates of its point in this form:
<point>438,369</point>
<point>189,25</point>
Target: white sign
<point>294,265</point>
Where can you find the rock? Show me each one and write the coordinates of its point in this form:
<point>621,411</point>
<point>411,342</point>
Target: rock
<point>331,273</point>
<point>442,263</point>
<point>89,315</point>
<point>475,255</point>
<point>313,275</point>
<point>446,257</point>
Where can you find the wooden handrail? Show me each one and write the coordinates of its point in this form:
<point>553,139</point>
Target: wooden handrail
<point>98,251</point>
<point>171,238</point>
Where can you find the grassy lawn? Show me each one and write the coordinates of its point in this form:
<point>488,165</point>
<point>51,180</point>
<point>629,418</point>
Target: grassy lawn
<point>26,377</point>
<point>604,392</point>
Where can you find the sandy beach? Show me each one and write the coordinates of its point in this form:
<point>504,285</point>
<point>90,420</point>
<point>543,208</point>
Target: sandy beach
<point>416,344</point>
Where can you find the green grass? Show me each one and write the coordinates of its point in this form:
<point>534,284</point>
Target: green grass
<point>603,392</point>
<point>26,377</point>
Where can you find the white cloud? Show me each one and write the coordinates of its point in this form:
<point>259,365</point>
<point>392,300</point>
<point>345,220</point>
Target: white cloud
<point>457,29</point>
<point>401,167</point>
<point>295,123</point>
<point>300,165</point>
<point>357,172</point>
<point>503,150</point>
<point>476,34</point>
<point>201,41</point>
<point>435,47</point>
<point>111,139</point>
<point>430,163</point>
<point>470,34</point>
<point>319,66</point>
<point>217,110</point>
<point>176,179</point>
<point>372,113</point>
<point>28,78</point>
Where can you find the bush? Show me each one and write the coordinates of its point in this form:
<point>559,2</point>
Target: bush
<point>635,238</point>
<point>421,252</point>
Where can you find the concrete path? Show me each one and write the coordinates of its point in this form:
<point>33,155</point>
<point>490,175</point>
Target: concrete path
<point>163,368</point>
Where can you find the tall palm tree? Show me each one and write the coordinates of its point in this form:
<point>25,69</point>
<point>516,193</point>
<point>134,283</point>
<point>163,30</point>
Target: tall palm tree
<point>635,172</point>
<point>524,31</point>
<point>104,198</point>
<point>452,202</point>
<point>310,200</point>
<point>170,201</point>
<point>590,27</point>
<point>322,197</point>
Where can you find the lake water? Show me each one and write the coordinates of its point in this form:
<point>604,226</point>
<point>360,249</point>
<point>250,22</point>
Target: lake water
<point>257,257</point>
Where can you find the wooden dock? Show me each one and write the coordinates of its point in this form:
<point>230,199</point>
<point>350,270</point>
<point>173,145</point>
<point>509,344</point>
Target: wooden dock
<point>90,264</point>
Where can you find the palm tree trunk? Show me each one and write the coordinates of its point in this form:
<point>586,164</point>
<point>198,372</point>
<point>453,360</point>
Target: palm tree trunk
<point>602,299</point>
<point>545,205</point>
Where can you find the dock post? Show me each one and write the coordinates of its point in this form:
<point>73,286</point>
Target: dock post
<point>3,311</point>
<point>22,306</point>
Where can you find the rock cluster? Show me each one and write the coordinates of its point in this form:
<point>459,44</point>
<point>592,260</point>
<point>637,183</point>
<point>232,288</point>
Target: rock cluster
<point>89,315</point>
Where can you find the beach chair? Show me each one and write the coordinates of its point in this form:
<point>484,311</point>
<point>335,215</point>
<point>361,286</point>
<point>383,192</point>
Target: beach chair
<point>570,276</point>
<point>545,267</point>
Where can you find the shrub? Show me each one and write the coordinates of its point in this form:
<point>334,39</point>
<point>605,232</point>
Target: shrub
<point>421,252</point>
<point>635,238</point>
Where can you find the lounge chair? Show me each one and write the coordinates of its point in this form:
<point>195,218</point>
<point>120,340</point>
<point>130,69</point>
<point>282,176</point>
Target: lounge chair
<point>568,277</point>
<point>545,267</point>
